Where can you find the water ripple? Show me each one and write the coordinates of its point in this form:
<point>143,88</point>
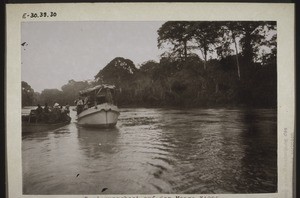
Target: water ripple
<point>157,151</point>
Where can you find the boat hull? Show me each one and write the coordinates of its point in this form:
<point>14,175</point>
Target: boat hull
<point>104,116</point>
<point>37,127</point>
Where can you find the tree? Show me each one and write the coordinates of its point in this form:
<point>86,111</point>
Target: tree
<point>149,66</point>
<point>250,36</point>
<point>52,96</point>
<point>71,90</point>
<point>177,34</point>
<point>267,49</point>
<point>229,32</point>
<point>27,94</point>
<point>116,71</point>
<point>120,72</point>
<point>205,34</point>
<point>253,36</point>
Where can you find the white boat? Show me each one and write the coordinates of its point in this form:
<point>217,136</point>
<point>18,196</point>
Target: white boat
<point>101,112</point>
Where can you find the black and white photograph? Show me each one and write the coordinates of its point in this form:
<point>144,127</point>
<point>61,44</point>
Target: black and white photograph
<point>149,107</point>
<point>157,107</point>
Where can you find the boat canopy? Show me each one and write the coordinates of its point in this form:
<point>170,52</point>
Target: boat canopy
<point>97,88</point>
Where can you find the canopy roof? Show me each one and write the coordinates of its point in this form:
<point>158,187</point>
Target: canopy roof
<point>96,88</point>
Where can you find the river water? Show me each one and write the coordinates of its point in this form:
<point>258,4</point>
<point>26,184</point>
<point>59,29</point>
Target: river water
<point>153,151</point>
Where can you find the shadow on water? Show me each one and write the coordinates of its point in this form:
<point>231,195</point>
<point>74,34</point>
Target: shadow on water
<point>260,160</point>
<point>30,135</point>
<point>222,151</point>
<point>96,141</point>
<point>157,151</point>
<point>37,135</point>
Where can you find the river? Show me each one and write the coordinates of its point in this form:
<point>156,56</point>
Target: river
<point>156,150</point>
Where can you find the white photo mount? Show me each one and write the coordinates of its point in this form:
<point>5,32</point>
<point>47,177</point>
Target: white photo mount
<point>283,14</point>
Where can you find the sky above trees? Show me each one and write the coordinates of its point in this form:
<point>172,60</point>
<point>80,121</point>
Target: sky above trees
<point>56,52</point>
<point>238,68</point>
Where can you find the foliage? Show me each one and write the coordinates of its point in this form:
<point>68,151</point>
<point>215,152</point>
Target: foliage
<point>205,34</point>
<point>71,90</point>
<point>52,96</point>
<point>224,63</point>
<point>27,94</point>
<point>116,71</point>
<point>177,34</point>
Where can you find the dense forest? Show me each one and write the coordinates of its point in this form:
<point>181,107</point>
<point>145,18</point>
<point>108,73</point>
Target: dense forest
<point>204,64</point>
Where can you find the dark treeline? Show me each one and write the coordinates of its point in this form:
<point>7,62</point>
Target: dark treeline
<point>205,64</point>
<point>66,95</point>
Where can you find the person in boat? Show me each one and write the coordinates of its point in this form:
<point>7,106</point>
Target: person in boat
<point>39,109</point>
<point>63,114</point>
<point>86,102</point>
<point>79,106</point>
<point>39,113</point>
<point>55,114</point>
<point>46,108</point>
<point>108,97</point>
<point>56,107</point>
<point>46,113</point>
<point>35,114</point>
<point>67,107</point>
<point>62,109</point>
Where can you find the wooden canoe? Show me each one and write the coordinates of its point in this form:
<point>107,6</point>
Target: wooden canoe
<point>41,127</point>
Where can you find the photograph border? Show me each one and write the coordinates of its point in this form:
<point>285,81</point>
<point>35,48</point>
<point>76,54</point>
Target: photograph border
<point>282,13</point>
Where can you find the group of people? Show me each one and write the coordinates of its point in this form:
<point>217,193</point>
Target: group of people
<point>89,100</point>
<point>55,114</point>
<point>84,103</point>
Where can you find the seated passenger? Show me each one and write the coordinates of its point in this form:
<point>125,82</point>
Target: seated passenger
<point>62,109</point>
<point>39,109</point>
<point>55,114</point>
<point>39,113</point>
<point>46,108</point>
<point>79,106</point>
<point>67,108</point>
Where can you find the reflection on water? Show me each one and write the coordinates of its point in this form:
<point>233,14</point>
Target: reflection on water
<point>157,151</point>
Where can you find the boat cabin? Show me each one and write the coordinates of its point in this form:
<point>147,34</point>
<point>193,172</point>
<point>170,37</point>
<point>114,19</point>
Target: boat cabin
<point>97,95</point>
<point>95,107</point>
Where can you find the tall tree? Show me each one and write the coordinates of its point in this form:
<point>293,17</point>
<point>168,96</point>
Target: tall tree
<point>250,36</point>
<point>254,34</point>
<point>271,57</point>
<point>205,34</point>
<point>230,31</point>
<point>117,71</point>
<point>177,34</point>
<point>265,48</point>
<point>120,72</point>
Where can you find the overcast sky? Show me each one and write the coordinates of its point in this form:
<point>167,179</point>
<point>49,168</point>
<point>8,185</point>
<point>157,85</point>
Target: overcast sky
<point>56,52</point>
